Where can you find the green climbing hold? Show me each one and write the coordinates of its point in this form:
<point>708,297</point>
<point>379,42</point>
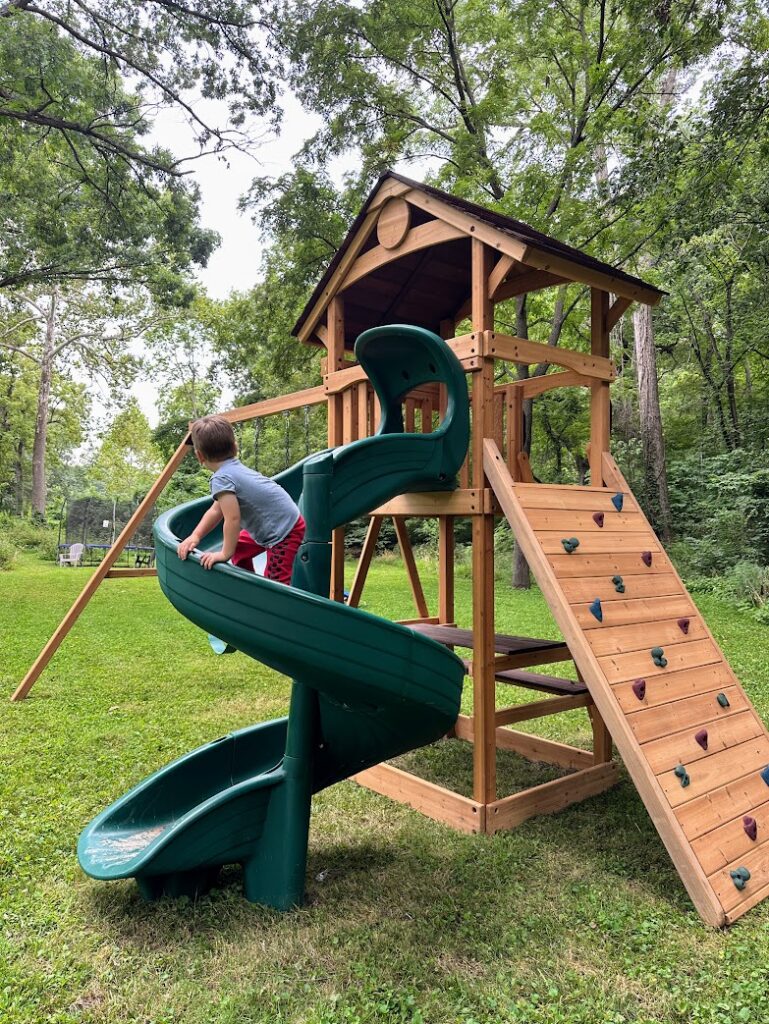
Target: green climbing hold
<point>570,544</point>
<point>723,700</point>
<point>681,773</point>
<point>619,586</point>
<point>658,657</point>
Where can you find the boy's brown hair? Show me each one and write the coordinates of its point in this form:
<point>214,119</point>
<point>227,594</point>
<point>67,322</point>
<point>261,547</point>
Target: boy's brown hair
<point>214,438</point>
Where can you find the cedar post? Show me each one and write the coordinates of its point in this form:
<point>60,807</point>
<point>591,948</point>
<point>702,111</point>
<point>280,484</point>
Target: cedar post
<point>484,696</point>
<point>101,572</point>
<point>445,525</point>
<point>600,408</point>
<point>335,346</point>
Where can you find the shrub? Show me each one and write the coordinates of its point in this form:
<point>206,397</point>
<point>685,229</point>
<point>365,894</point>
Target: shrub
<point>25,535</point>
<point>8,554</point>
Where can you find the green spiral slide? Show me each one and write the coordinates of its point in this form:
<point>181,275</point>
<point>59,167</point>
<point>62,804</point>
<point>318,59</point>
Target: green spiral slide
<point>364,689</point>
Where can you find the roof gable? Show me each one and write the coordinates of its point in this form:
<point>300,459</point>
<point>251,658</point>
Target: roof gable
<point>424,278</point>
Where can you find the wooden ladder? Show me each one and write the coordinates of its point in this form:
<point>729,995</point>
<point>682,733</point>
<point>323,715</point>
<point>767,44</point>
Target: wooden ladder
<point>688,734</point>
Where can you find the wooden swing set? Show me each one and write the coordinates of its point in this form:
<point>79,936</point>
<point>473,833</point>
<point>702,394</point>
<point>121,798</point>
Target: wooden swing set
<point>417,255</point>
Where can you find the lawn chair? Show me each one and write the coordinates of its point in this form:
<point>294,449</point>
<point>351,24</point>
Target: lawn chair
<point>72,555</point>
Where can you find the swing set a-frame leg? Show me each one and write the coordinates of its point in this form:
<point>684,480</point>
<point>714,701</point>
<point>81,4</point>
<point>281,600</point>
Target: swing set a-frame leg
<point>104,567</point>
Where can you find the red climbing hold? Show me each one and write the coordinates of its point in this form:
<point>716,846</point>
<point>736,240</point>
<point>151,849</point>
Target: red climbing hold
<point>751,827</point>
<point>683,625</point>
<point>702,738</point>
<point>639,688</point>
<point>646,557</point>
<point>598,519</point>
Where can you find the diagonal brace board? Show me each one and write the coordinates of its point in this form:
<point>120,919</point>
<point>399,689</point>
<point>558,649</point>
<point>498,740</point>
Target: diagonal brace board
<point>665,820</point>
<point>101,573</point>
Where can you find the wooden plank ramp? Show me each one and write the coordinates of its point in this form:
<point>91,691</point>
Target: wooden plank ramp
<point>693,743</point>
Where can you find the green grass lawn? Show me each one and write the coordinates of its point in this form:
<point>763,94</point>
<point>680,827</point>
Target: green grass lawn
<point>578,917</point>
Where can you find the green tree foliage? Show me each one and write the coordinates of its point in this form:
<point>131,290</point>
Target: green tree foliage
<point>82,197</point>
<point>127,460</point>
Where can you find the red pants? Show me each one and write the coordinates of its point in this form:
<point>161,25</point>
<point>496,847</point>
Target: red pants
<point>280,559</point>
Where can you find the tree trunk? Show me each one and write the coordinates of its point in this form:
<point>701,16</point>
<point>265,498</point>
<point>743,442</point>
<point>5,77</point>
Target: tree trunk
<point>39,485</point>
<point>521,574</point>
<point>655,470</point>
<point>18,479</point>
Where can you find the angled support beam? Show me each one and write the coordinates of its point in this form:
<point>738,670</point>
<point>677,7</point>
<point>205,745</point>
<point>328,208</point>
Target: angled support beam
<point>364,562</point>
<point>407,553</point>
<point>616,310</point>
<point>101,572</point>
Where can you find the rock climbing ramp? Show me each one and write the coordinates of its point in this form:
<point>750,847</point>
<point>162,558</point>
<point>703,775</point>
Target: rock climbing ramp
<point>694,745</point>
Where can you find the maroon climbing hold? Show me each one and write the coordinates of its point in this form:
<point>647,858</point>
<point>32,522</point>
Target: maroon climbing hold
<point>751,827</point>
<point>598,519</point>
<point>639,688</point>
<point>702,738</point>
<point>646,557</point>
<point>683,625</point>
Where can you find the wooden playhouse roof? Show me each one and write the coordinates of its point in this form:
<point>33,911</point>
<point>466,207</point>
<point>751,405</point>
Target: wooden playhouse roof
<point>426,278</point>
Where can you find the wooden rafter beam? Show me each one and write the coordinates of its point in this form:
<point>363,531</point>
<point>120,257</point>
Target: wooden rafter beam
<point>472,226</point>
<point>332,286</point>
<point>435,232</point>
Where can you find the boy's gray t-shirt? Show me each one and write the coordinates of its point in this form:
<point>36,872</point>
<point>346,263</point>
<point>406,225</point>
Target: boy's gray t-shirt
<point>267,511</point>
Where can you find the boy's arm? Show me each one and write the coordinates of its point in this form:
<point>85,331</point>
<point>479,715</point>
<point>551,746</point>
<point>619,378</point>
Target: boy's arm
<point>230,509</point>
<point>208,521</point>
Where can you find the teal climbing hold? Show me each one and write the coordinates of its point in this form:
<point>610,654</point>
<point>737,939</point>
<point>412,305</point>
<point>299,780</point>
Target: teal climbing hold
<point>723,700</point>
<point>619,586</point>
<point>617,501</point>
<point>740,876</point>
<point>570,544</point>
<point>681,773</point>
<point>596,610</point>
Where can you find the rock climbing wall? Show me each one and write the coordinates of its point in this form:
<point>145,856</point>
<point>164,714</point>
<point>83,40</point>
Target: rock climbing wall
<point>693,743</point>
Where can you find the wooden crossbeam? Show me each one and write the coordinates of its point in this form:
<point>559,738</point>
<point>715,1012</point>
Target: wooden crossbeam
<point>125,573</point>
<point>532,387</point>
<point>296,400</point>
<point>521,350</point>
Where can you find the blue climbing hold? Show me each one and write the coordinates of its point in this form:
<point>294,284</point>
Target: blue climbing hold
<point>618,501</point>
<point>596,610</point>
<point>765,775</point>
<point>723,700</point>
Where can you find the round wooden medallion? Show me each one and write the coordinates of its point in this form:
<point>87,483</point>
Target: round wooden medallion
<point>394,223</point>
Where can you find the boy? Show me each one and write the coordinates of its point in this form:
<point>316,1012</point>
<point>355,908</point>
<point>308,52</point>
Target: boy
<point>258,514</point>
